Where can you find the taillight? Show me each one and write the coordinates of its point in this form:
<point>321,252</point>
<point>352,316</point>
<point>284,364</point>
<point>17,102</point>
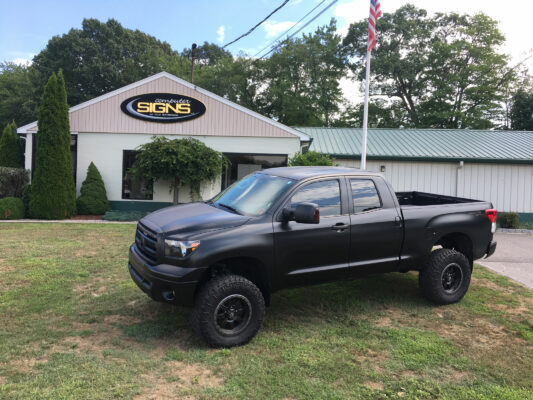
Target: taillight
<point>491,214</point>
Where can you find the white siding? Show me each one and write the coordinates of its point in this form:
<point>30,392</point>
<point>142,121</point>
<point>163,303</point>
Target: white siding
<point>509,187</point>
<point>105,150</point>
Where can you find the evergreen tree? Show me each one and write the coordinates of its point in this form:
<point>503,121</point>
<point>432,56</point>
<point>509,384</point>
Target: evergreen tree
<point>11,151</point>
<point>93,198</point>
<point>53,194</point>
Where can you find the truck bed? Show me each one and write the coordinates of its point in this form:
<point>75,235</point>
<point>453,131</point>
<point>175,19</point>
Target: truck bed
<point>429,199</point>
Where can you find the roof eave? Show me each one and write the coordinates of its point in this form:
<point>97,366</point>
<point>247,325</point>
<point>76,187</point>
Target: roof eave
<point>432,159</point>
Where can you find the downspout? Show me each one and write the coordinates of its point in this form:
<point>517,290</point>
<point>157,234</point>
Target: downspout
<point>459,168</point>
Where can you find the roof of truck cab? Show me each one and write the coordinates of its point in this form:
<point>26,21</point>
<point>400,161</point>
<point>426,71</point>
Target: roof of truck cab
<point>298,173</point>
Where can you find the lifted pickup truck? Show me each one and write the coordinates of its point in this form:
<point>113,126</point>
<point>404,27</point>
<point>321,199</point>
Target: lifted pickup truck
<point>287,227</point>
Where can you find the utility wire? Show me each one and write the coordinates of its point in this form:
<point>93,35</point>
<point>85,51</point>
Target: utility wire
<point>288,30</point>
<point>252,29</point>
<point>302,27</point>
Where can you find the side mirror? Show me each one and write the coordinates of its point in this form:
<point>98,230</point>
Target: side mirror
<point>307,213</point>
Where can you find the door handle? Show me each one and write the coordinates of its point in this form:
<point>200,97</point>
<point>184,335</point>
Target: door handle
<point>339,227</point>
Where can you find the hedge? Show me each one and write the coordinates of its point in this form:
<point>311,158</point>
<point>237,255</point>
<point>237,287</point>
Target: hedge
<point>11,208</point>
<point>509,220</point>
<point>12,181</point>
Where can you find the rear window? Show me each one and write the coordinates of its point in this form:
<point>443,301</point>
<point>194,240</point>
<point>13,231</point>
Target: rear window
<point>365,195</point>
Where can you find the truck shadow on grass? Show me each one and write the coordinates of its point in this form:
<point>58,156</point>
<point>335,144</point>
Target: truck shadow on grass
<point>293,309</point>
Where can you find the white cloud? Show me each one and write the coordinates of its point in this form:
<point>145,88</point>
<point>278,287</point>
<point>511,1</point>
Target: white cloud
<point>221,32</point>
<point>348,13</point>
<point>273,28</point>
<point>22,61</point>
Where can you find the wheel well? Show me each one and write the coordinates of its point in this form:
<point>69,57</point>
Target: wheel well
<point>459,242</point>
<point>248,267</point>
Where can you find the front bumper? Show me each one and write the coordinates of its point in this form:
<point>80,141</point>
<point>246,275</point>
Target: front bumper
<point>164,282</point>
<point>491,248</point>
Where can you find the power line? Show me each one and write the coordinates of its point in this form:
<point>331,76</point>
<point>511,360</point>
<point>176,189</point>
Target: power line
<point>252,29</point>
<point>288,30</point>
<point>302,27</point>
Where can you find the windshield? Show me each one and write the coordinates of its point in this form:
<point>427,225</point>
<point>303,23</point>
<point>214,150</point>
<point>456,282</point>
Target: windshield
<point>254,194</point>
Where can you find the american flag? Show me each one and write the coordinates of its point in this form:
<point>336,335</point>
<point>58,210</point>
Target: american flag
<point>375,13</point>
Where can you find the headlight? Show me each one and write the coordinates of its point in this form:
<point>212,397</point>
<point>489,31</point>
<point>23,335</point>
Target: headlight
<point>178,248</point>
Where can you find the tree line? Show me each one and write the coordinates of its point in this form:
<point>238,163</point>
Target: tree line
<point>428,71</point>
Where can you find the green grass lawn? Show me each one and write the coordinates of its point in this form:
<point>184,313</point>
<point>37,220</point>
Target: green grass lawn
<point>74,325</point>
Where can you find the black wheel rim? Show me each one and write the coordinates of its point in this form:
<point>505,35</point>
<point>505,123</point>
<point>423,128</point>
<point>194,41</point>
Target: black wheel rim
<point>452,277</point>
<point>233,314</point>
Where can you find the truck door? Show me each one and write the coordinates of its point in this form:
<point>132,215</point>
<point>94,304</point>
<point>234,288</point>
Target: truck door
<point>375,227</point>
<point>307,253</point>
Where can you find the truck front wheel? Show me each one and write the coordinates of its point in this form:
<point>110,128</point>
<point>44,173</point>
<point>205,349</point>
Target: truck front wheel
<point>446,276</point>
<point>228,311</point>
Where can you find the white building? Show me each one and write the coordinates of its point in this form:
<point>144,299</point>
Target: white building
<point>489,165</point>
<point>107,130</point>
<point>496,166</point>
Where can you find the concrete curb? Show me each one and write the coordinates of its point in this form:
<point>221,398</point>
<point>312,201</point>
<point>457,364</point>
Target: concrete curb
<point>506,230</point>
<point>66,221</point>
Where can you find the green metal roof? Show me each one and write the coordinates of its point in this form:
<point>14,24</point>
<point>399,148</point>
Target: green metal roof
<point>425,144</point>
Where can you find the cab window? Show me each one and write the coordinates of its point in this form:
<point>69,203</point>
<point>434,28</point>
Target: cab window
<point>326,194</point>
<point>365,195</point>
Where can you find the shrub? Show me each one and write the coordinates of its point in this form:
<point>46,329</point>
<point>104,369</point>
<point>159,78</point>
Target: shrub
<point>310,158</point>
<point>11,151</point>
<point>53,194</point>
<point>11,208</point>
<point>181,161</point>
<point>509,220</point>
<point>93,197</point>
<point>115,215</point>
<point>12,181</point>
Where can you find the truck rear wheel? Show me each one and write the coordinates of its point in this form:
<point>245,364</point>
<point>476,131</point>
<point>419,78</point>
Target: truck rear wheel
<point>228,311</point>
<point>446,276</point>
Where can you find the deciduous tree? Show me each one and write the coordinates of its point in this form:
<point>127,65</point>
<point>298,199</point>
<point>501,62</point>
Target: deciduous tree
<point>444,71</point>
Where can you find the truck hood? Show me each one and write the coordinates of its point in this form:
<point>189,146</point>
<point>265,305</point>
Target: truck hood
<point>191,219</point>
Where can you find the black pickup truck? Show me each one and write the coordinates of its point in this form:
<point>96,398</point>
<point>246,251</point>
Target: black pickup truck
<point>288,227</point>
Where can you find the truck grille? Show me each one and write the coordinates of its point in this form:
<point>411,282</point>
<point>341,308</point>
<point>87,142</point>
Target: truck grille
<point>146,241</point>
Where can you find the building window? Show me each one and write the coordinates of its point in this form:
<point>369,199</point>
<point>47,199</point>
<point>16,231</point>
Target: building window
<point>133,188</point>
<point>365,196</point>
<point>244,164</point>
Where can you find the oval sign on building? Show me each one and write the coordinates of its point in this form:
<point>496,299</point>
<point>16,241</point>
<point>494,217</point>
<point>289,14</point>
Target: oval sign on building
<point>163,107</point>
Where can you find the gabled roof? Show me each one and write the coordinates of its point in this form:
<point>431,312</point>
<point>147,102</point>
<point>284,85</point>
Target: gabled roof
<point>149,82</point>
<point>425,144</point>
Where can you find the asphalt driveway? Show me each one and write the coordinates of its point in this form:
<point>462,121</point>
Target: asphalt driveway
<point>513,257</point>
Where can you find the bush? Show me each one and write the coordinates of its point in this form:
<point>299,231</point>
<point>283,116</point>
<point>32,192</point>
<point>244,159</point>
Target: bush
<point>115,215</point>
<point>310,158</point>
<point>93,197</point>
<point>509,220</point>
<point>11,208</point>
<point>12,181</point>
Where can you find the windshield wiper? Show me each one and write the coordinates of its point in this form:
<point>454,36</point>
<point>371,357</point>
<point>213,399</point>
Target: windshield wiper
<point>229,208</point>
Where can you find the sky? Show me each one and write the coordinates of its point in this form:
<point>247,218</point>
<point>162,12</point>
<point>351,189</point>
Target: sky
<point>27,25</point>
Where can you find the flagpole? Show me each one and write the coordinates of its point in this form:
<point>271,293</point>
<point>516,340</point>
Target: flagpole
<point>365,112</point>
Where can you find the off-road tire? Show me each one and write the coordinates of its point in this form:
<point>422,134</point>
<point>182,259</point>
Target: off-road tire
<point>216,294</point>
<point>434,280</point>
